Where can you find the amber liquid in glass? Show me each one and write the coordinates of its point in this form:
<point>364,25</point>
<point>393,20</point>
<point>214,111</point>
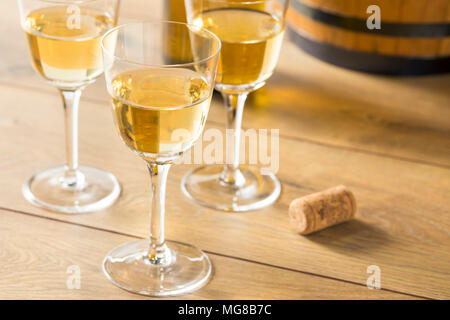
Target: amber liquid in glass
<point>66,49</point>
<point>160,112</point>
<point>251,42</point>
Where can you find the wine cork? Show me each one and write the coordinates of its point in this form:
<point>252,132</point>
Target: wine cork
<point>322,209</point>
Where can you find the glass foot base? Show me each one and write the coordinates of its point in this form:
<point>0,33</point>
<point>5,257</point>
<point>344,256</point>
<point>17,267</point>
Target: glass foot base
<point>203,185</point>
<point>47,190</point>
<point>128,267</point>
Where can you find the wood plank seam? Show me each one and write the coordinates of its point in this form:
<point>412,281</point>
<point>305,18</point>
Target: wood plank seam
<point>215,253</point>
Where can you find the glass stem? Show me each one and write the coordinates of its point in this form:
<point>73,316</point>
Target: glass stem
<point>234,103</point>
<point>73,178</point>
<point>158,252</point>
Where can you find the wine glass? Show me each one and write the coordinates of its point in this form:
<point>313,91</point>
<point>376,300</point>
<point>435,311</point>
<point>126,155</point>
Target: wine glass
<point>160,76</point>
<point>64,41</point>
<point>251,33</point>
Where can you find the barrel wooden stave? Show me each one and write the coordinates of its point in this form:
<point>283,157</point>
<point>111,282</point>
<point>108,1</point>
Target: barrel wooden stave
<point>406,11</point>
<point>341,24</point>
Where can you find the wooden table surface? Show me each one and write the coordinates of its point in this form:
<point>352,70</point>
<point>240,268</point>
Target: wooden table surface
<point>387,139</point>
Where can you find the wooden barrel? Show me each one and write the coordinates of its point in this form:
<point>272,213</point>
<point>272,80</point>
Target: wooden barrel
<point>414,38</point>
